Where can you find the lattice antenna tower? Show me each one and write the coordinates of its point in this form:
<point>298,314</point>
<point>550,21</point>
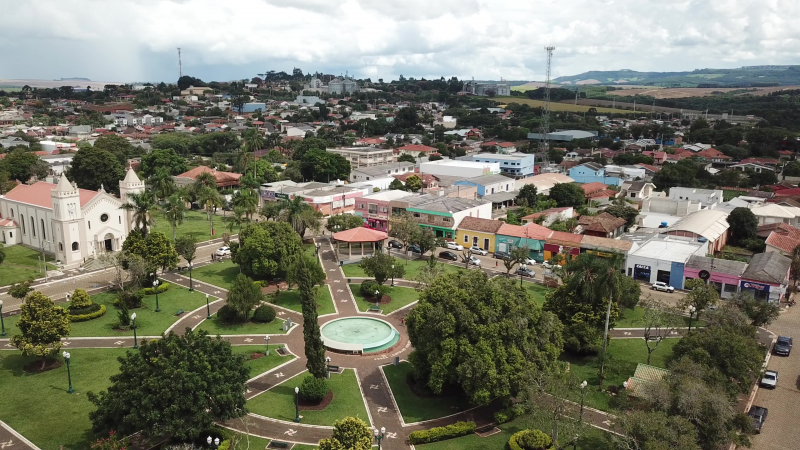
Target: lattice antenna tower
<point>180,65</point>
<point>545,128</point>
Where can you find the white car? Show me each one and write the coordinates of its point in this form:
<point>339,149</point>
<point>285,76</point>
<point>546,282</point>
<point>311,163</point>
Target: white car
<point>477,250</point>
<point>474,260</point>
<point>529,262</point>
<point>224,251</point>
<point>770,379</point>
<point>663,287</point>
<point>454,246</point>
<point>547,265</point>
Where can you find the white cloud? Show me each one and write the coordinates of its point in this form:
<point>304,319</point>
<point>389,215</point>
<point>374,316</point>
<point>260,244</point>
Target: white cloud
<point>136,39</point>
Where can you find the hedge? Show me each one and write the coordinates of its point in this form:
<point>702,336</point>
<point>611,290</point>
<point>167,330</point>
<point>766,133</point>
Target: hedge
<point>163,287</point>
<point>264,314</point>
<point>508,414</point>
<point>530,440</point>
<point>84,317</point>
<point>441,433</point>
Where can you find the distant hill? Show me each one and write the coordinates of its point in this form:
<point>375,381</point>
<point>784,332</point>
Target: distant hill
<point>748,76</point>
<point>74,79</point>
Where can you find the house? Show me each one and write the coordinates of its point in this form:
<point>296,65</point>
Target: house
<point>593,187</point>
<point>477,232</point>
<point>774,213</point>
<point>489,184</point>
<point>590,172</point>
<point>713,155</point>
<point>708,198</point>
<point>723,273</point>
<point>767,276</point>
<point>376,209</point>
<point>191,90</point>
<point>364,156</point>
<point>755,167</point>
<point>415,149</point>
<point>443,214</point>
<point>518,165</point>
<point>530,236</point>
<point>658,157</point>
<point>560,242</point>
<point>544,182</point>
<point>224,179</point>
<point>780,237</point>
<point>602,225</point>
<point>13,141</point>
<point>460,168</point>
<point>448,122</point>
<point>428,180</point>
<point>606,247</point>
<point>549,216</point>
<point>636,190</point>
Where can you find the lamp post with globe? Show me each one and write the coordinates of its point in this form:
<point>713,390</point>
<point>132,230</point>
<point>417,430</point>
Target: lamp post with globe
<point>133,324</point>
<point>297,404</point>
<point>155,287</point>
<point>379,435</point>
<point>69,374</point>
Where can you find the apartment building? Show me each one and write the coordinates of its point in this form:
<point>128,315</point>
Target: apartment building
<point>365,156</point>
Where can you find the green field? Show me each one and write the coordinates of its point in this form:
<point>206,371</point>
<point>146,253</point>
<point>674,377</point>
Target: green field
<point>214,326</point>
<point>401,296</point>
<point>20,264</point>
<point>554,106</point>
<point>634,318</point>
<point>195,223</point>
<point>220,274</point>
<point>278,402</point>
<point>412,268</point>
<point>291,300</point>
<point>264,363</point>
<point>413,407</point>
<point>537,291</point>
<point>148,322</point>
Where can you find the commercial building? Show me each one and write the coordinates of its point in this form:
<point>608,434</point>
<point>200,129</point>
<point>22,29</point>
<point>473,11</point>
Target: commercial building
<point>530,236</point>
<point>376,209</point>
<point>708,198</point>
<point>563,243</point>
<point>518,165</point>
<point>767,276</point>
<point>663,258</point>
<point>565,135</point>
<point>444,214</point>
<point>365,156</point>
<point>708,227</point>
<point>486,89</point>
<point>489,184</point>
<point>474,231</point>
<point>544,182</point>
<point>381,171</point>
<point>602,225</point>
<point>724,274</point>
<point>458,168</point>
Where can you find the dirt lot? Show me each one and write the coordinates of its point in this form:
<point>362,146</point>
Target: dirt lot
<point>695,92</point>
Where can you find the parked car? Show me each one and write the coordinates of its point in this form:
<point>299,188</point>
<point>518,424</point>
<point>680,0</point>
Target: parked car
<point>525,271</point>
<point>223,251</point>
<point>413,248</point>
<point>770,379</point>
<point>501,255</point>
<point>474,260</point>
<point>394,244</point>
<point>548,265</point>
<point>454,246</point>
<point>663,287</point>
<point>448,255</point>
<point>529,262</point>
<point>478,251</point>
<point>758,414</point>
<point>783,346</point>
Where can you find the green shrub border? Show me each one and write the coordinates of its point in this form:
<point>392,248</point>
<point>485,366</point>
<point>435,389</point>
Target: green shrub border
<point>435,434</point>
<point>512,441</point>
<point>90,316</point>
<point>163,287</point>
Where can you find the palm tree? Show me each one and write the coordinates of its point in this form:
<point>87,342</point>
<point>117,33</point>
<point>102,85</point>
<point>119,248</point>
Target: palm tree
<point>210,199</point>
<point>174,211</point>
<point>237,219</point>
<point>206,179</point>
<point>141,204</point>
<point>300,215</point>
<point>162,183</point>
<point>247,200</point>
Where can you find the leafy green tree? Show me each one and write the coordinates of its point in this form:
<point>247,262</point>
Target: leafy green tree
<point>626,212</point>
<point>182,144</point>
<point>659,320</point>
<point>424,238</point>
<point>141,206</point>
<point>397,185</point>
<point>322,166</point>
<point>80,299</point>
<point>701,296</point>
<point>93,167</point>
<point>161,183</point>
<point>381,266</point>
<point>314,348</point>
<point>174,210</point>
<point>21,289</point>
<point>265,249</point>
<point>247,200</point>
<point>244,295</point>
<point>413,183</point>
<point>307,145</point>
<point>483,335</point>
<point>759,312</point>
<point>527,196</point>
<point>743,224</point>
<point>341,222</point>
<point>116,145</point>
<point>405,157</point>
<point>300,215</point>
<point>654,430</point>
<point>683,173</point>
<point>567,194</point>
<point>163,158</point>
<point>156,250</point>
<point>20,164</point>
<point>186,247</point>
<point>311,269</point>
<point>349,433</point>
<point>177,386</point>
<point>42,324</point>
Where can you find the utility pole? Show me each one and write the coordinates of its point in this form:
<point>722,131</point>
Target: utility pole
<point>180,65</point>
<point>545,128</point>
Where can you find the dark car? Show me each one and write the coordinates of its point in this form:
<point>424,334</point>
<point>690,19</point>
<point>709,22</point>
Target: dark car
<point>414,248</point>
<point>448,255</point>
<point>524,271</point>
<point>501,255</point>
<point>758,415</point>
<point>394,244</point>
<point>783,346</point>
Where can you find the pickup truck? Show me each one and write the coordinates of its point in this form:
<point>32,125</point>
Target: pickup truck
<point>663,287</point>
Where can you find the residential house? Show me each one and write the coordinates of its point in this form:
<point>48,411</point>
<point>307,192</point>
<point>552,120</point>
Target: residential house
<point>477,232</point>
<point>530,236</point>
<point>549,216</point>
<point>444,214</point>
<point>780,237</point>
<point>593,187</point>
<point>755,167</point>
<point>602,225</point>
<point>489,184</point>
<point>224,179</point>
<point>518,165</point>
<point>416,149</point>
<point>774,213</point>
<point>658,157</point>
<point>636,190</point>
<point>544,182</point>
<point>591,172</point>
<point>708,198</point>
<point>559,242</point>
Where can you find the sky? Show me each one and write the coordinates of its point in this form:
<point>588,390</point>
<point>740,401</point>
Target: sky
<point>137,40</point>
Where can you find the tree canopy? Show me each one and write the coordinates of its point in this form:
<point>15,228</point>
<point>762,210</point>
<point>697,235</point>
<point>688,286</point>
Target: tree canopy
<point>322,166</point>
<point>42,324</point>
<point>567,194</point>
<point>743,224</point>
<point>167,158</point>
<point>244,295</point>
<point>266,248</point>
<point>341,222</point>
<point>92,167</point>
<point>349,433</point>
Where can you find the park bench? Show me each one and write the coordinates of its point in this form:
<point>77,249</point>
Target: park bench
<point>333,369</point>
<point>278,444</point>
<point>374,308</point>
<point>179,312</point>
<point>281,351</point>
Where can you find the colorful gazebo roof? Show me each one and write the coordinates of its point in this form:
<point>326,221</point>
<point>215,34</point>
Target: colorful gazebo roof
<point>360,234</point>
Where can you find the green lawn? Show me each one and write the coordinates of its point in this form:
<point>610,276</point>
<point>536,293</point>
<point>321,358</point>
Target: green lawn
<point>195,223</point>
<point>20,264</point>
<point>401,296</point>
<point>537,291</point>
<point>38,407</point>
<point>352,270</point>
<point>624,355</point>
<point>413,407</point>
<point>215,327</point>
<point>250,442</point>
<point>291,300</point>
<point>278,402</point>
<point>219,274</point>
<point>263,364</point>
<point>634,318</point>
<point>148,322</point>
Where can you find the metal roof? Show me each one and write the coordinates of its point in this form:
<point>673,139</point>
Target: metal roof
<point>501,197</point>
<point>708,223</point>
<point>717,265</point>
<point>770,267</point>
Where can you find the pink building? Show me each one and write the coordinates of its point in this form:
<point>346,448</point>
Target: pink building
<point>376,209</point>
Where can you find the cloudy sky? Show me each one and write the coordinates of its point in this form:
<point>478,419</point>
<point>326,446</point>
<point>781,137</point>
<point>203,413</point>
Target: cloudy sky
<point>136,40</point>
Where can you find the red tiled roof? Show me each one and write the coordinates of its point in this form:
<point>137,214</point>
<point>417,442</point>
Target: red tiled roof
<point>595,186</point>
<point>765,230</point>
<point>565,239</point>
<point>360,234</point>
<point>712,153</point>
<point>607,193</point>
<point>786,239</point>
<point>223,178</point>
<point>530,231</point>
<point>794,192</point>
<point>506,144</point>
<point>546,212</point>
<point>39,194</point>
<point>416,148</point>
<point>480,225</point>
<point>603,222</point>
<point>649,167</point>
<point>7,223</point>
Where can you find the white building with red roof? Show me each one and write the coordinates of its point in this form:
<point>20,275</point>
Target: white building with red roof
<point>69,223</point>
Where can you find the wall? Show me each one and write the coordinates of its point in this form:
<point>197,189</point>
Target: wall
<point>466,238</point>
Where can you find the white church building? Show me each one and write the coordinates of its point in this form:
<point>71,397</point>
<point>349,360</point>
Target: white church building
<point>69,223</point>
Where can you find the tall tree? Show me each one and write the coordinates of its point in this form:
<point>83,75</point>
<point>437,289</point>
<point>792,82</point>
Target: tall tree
<point>174,210</point>
<point>381,266</point>
<point>743,224</point>
<point>265,249</point>
<point>247,200</point>
<point>20,164</point>
<point>141,205</point>
<point>402,227</point>
<point>210,199</point>
<point>177,386</point>
<point>116,145</point>
<point>759,312</point>
<point>701,296</point>
<point>186,247</point>
<point>654,430</point>
<point>244,295</point>
<point>93,167</point>
<point>314,348</point>
<point>341,222</point>
<point>163,158</point>
<point>527,196</point>
<point>161,183</point>
<point>300,215</point>
<point>42,324</point>
<point>660,320</point>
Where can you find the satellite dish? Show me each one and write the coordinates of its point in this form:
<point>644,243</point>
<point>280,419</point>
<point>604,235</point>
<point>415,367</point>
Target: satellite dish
<point>704,275</point>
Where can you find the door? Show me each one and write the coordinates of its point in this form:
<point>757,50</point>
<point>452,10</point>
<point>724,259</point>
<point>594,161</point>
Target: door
<point>475,241</point>
<point>486,244</point>
<point>108,245</point>
<point>501,247</point>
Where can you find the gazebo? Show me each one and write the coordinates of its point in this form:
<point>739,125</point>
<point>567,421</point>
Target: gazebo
<point>359,236</point>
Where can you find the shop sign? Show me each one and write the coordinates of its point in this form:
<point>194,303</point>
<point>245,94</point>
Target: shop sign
<point>642,266</point>
<point>282,196</point>
<point>755,286</point>
<point>603,254</point>
<point>268,195</point>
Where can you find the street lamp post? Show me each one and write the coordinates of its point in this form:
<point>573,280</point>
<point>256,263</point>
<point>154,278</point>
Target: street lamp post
<point>575,442</point>
<point>379,435</point>
<point>208,308</point>
<point>583,396</point>
<point>2,325</point>
<point>133,324</point>
<point>392,272</point>
<point>328,366</point>
<point>214,443</point>
<point>266,339</point>
<point>191,285</point>
<point>692,310</point>
<point>69,375</point>
<point>155,286</point>
<point>297,404</point>
<point>377,298</point>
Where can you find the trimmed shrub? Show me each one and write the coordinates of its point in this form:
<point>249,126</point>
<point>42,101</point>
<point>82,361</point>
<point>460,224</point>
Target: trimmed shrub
<point>509,413</point>
<point>530,440</point>
<point>224,445</point>
<point>80,299</point>
<point>228,315</point>
<point>264,314</point>
<point>131,298</point>
<point>100,310</point>
<point>441,433</point>
<point>163,287</point>
<point>368,288</point>
<point>313,389</point>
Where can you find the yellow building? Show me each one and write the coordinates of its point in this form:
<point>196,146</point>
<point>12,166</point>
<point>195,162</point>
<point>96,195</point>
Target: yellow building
<point>473,231</point>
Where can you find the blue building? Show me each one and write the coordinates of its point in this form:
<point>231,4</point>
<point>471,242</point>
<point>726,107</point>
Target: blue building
<point>253,107</point>
<point>518,165</point>
<point>591,172</point>
<point>489,184</point>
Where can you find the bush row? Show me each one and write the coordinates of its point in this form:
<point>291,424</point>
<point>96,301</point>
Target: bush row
<point>441,433</point>
<point>89,316</point>
<point>163,287</point>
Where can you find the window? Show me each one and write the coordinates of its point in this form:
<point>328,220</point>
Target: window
<point>44,233</point>
<point>90,224</point>
<point>373,208</point>
<point>12,212</point>
<point>633,194</point>
<point>10,234</point>
<point>75,246</point>
<point>466,239</point>
<point>446,219</point>
<point>60,247</point>
<point>361,206</point>
<point>416,214</point>
<point>23,225</point>
<point>120,219</point>
<point>33,227</point>
<point>104,217</point>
